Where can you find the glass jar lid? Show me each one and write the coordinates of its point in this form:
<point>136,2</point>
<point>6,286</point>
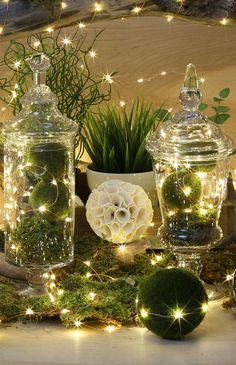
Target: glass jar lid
<point>189,135</point>
<point>40,115</point>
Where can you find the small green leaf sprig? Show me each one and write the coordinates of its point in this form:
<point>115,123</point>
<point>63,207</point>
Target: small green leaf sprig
<point>221,112</point>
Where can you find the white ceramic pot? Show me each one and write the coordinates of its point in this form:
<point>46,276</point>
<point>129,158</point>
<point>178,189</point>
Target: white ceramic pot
<point>144,179</point>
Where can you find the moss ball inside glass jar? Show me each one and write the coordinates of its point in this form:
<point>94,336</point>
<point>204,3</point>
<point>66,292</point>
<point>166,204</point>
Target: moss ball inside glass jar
<point>48,161</point>
<point>50,200</point>
<point>181,189</point>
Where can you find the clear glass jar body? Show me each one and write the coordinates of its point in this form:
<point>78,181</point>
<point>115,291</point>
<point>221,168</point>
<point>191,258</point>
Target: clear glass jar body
<point>39,200</point>
<point>190,197</point>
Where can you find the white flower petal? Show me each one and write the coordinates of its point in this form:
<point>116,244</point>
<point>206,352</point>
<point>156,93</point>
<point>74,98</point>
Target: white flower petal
<point>116,199</point>
<point>110,186</point>
<point>99,211</point>
<point>109,215</point>
<point>118,211</point>
<point>97,223</point>
<point>140,230</point>
<point>127,199</point>
<point>128,188</point>
<point>133,211</point>
<point>103,199</point>
<point>130,237</point>
<point>142,216</point>
<point>122,215</point>
<point>107,233</point>
<point>128,227</point>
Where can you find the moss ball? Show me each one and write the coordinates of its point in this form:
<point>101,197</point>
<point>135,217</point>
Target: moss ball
<point>48,160</point>
<point>170,303</point>
<point>53,198</point>
<point>181,190</point>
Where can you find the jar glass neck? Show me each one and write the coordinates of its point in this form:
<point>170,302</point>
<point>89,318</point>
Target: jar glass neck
<point>39,78</point>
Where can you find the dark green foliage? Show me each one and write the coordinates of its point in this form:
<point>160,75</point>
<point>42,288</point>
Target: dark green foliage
<point>48,160</point>
<point>162,293</point>
<point>55,198</point>
<point>9,301</point>
<point>115,138</point>
<point>174,186</point>
<point>39,242</point>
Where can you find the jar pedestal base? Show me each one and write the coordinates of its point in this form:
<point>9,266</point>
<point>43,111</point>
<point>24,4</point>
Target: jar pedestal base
<point>37,283</point>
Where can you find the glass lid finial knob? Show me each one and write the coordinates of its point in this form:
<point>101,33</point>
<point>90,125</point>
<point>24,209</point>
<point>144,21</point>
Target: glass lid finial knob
<point>190,96</point>
<point>39,63</point>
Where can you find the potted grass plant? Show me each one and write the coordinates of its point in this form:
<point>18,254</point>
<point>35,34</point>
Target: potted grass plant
<point>114,139</point>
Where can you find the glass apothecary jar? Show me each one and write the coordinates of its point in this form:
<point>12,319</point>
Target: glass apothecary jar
<point>39,182</point>
<point>191,165</point>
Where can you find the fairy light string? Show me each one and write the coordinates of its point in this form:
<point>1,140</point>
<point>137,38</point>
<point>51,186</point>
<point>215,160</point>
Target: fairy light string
<point>54,291</point>
<point>99,7</point>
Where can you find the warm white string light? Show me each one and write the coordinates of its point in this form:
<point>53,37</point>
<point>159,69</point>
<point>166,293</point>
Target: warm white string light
<point>108,78</point>
<point>224,21</point>
<point>110,328</point>
<point>178,314</point>
<point>29,311</point>
<point>92,54</point>
<point>136,10</point>
<point>50,29</point>
<point>17,64</point>
<point>98,7</point>
<point>78,323</point>
<point>66,41</point>
<point>169,18</point>
<point>122,103</point>
<point>81,25</point>
<point>122,248</point>
<point>63,5</point>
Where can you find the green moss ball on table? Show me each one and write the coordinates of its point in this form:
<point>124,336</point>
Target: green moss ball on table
<point>48,160</point>
<point>171,303</point>
<point>52,201</point>
<point>181,189</point>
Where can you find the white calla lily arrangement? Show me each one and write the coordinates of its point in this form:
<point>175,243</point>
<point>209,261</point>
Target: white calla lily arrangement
<point>118,211</point>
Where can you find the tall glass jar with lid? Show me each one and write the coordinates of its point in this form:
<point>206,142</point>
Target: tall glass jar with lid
<point>191,159</point>
<point>39,182</point>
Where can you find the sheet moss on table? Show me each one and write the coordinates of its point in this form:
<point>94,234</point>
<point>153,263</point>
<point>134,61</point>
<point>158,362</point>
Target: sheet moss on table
<point>113,282</point>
